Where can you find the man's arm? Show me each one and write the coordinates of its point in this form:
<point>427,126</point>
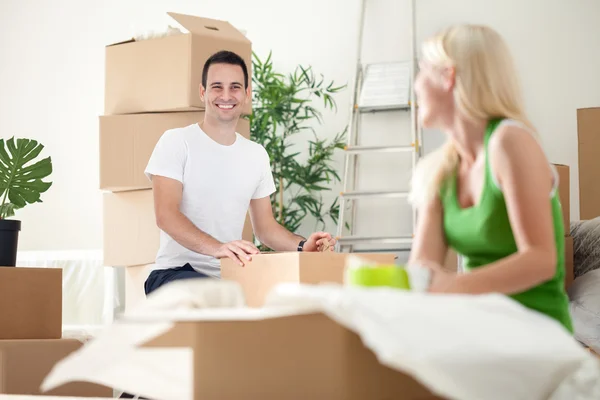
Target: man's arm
<point>167,198</point>
<point>273,235</point>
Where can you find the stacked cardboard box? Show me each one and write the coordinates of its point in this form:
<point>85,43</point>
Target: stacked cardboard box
<point>31,333</point>
<point>564,190</point>
<point>151,86</point>
<point>588,138</point>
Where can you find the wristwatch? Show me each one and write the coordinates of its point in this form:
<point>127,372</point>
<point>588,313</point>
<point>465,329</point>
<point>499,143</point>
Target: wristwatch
<point>301,245</point>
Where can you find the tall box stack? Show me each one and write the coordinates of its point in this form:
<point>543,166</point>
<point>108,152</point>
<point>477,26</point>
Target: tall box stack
<point>152,85</point>
<point>31,340</point>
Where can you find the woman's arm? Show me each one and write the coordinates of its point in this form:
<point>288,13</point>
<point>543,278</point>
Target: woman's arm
<point>525,178</point>
<point>429,246</point>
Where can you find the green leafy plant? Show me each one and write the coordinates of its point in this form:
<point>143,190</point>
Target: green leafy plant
<point>283,106</point>
<point>20,183</point>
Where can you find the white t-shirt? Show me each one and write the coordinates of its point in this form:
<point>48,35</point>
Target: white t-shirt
<point>218,183</point>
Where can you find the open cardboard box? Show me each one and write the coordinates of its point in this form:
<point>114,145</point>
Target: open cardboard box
<point>266,270</point>
<point>290,357</point>
<point>164,74</point>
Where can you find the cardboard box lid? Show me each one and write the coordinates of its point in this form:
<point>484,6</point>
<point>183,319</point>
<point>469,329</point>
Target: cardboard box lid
<point>209,27</point>
<point>200,26</point>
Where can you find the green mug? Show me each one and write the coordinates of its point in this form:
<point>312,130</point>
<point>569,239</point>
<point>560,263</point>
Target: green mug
<point>382,275</point>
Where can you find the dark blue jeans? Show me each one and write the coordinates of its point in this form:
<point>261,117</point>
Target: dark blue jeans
<point>160,277</point>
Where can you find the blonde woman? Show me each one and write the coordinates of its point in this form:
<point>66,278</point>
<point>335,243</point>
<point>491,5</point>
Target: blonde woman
<point>489,192</point>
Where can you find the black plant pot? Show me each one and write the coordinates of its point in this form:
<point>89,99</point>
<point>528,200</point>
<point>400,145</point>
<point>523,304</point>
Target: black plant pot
<point>9,240</point>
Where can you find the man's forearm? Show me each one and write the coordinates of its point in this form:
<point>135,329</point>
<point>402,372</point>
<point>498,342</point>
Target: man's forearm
<point>184,232</point>
<point>278,238</point>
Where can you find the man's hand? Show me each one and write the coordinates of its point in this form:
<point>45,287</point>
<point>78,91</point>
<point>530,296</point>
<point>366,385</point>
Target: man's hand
<point>319,241</point>
<point>239,251</point>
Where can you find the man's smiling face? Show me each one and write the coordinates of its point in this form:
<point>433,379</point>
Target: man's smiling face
<point>224,96</point>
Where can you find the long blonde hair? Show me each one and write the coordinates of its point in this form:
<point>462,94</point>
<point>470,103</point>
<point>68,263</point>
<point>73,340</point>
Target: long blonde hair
<point>486,86</point>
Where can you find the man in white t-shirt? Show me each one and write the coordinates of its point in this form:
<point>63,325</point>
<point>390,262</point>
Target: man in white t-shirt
<point>205,176</point>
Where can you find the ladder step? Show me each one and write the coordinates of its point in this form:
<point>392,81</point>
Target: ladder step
<point>379,149</point>
<point>375,240</point>
<point>381,108</point>
<point>380,193</point>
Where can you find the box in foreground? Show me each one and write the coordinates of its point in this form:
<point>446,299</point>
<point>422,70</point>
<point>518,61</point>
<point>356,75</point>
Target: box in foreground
<point>30,303</point>
<point>25,363</point>
<point>265,271</point>
<point>293,357</point>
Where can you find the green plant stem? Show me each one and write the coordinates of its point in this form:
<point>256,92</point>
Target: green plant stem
<point>281,200</point>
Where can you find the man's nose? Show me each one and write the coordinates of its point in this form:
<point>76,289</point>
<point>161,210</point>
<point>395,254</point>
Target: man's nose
<point>226,94</point>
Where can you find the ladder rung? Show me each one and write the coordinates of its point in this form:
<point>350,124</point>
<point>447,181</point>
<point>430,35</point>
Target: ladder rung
<point>379,149</point>
<point>389,107</point>
<point>381,193</point>
<point>375,240</point>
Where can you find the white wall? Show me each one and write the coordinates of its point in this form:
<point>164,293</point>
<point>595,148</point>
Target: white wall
<point>51,79</point>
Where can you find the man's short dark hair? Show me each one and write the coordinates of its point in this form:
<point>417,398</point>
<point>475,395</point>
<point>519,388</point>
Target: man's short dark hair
<point>225,57</point>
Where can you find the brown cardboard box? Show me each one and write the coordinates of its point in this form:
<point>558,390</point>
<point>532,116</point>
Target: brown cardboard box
<point>131,236</point>
<point>24,364</point>
<point>30,303</point>
<point>564,191</point>
<point>127,142</point>
<point>265,271</point>
<point>588,133</point>
<point>164,74</point>
<point>569,265</point>
<point>296,357</point>
<point>135,276</point>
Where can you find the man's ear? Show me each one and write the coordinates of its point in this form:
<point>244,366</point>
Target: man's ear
<point>201,92</point>
<point>249,93</point>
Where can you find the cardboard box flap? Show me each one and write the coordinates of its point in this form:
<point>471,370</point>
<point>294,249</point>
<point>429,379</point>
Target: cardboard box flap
<point>122,42</point>
<point>209,27</point>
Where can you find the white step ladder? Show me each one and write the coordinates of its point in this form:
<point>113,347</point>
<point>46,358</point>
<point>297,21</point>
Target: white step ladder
<point>382,87</point>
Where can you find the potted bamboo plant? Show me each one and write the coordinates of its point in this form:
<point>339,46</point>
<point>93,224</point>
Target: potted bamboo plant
<point>20,184</point>
<point>284,106</point>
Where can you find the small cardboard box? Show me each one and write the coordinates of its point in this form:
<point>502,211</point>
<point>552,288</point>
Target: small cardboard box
<point>30,303</point>
<point>569,264</point>
<point>293,357</point>
<point>266,270</point>
<point>131,236</point>
<point>164,74</point>
<point>25,363</point>
<point>588,133</point>
<point>564,192</point>
<point>127,142</point>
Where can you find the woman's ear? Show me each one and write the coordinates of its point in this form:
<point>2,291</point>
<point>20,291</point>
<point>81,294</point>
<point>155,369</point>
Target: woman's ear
<point>448,78</point>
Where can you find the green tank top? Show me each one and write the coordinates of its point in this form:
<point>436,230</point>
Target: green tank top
<point>482,234</point>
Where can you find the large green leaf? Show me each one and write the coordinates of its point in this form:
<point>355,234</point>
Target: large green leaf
<point>21,181</point>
